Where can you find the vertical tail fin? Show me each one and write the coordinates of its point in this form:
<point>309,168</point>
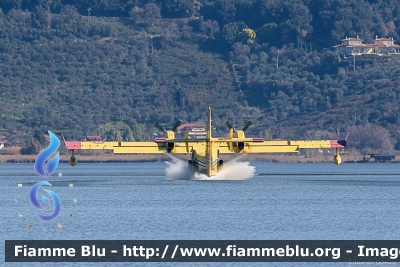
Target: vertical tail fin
<point>209,123</point>
<point>208,144</point>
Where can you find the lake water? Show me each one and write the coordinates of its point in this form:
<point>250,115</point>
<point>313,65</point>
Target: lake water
<point>134,201</point>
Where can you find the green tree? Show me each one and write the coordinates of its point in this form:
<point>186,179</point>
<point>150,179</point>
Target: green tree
<point>176,8</point>
<point>247,35</point>
<point>32,148</point>
<point>268,34</point>
<point>117,131</point>
<point>231,31</point>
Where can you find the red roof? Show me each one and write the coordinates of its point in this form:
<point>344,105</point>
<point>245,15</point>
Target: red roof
<point>367,46</point>
<point>362,45</point>
<point>373,45</point>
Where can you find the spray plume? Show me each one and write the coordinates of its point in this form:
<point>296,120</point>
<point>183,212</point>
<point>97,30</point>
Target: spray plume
<point>232,170</point>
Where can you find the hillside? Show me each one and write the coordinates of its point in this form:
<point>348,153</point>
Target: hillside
<point>128,65</point>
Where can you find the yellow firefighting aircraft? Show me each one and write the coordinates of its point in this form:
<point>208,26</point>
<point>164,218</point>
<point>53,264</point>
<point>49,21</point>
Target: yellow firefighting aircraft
<point>205,152</point>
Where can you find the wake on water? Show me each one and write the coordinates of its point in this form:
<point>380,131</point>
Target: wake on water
<point>232,170</point>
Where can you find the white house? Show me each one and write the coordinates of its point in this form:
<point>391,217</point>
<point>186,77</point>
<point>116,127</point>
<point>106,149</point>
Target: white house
<point>2,142</point>
<point>355,47</point>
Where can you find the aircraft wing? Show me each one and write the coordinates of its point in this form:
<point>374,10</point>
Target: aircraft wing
<point>184,146</point>
<point>274,146</point>
<point>137,147</point>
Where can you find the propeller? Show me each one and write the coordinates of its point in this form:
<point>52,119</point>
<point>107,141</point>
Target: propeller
<point>159,127</point>
<point>230,126</point>
<point>177,124</point>
<point>247,126</point>
<point>162,129</point>
<point>232,129</point>
<point>169,135</point>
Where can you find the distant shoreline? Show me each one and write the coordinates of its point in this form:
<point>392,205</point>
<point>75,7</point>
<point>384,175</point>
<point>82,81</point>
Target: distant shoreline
<point>153,158</point>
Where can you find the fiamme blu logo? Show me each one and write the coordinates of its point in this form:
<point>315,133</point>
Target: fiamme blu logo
<point>45,170</point>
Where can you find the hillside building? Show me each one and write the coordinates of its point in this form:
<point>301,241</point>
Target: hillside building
<point>355,47</point>
<point>2,143</point>
<point>94,138</point>
<point>196,130</point>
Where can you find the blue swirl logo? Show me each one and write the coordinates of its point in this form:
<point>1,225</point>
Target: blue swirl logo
<point>40,170</point>
<point>45,154</point>
<point>35,201</point>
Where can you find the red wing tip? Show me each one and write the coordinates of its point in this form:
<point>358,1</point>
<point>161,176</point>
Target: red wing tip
<point>73,145</point>
<point>159,140</point>
<point>338,143</point>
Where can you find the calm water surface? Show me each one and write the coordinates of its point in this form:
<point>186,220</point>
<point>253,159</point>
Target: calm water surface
<point>134,201</point>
